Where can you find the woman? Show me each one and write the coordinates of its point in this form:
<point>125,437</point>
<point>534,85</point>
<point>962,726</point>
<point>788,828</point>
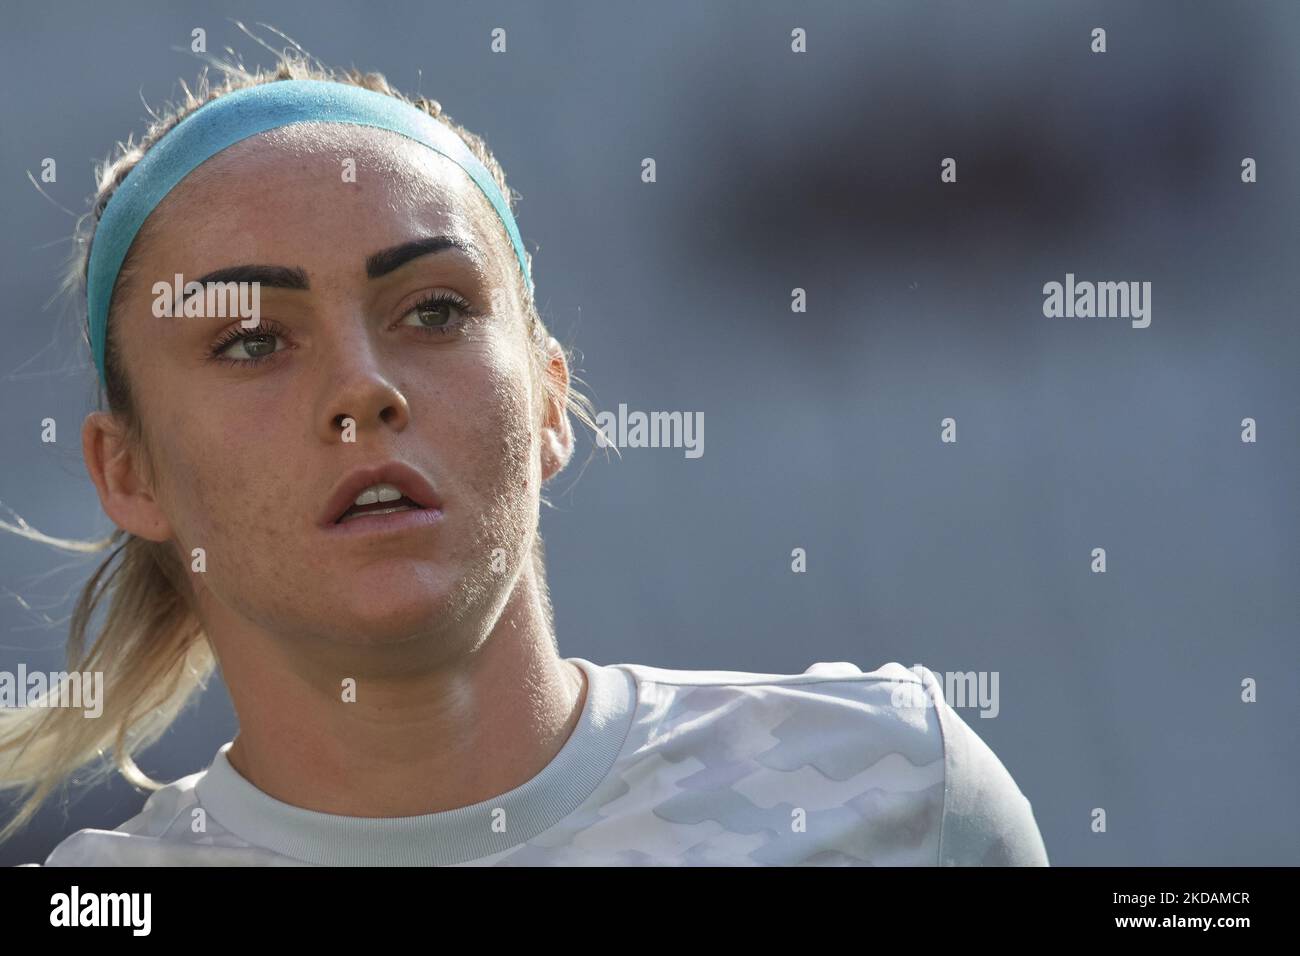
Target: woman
<point>334,495</point>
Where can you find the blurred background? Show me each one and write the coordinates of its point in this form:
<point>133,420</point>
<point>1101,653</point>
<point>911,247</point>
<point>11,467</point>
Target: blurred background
<point>820,171</point>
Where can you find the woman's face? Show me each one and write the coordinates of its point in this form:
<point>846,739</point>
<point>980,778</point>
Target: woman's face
<point>248,450</point>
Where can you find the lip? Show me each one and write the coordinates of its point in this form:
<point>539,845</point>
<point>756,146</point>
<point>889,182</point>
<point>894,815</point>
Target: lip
<point>406,479</point>
<point>387,524</point>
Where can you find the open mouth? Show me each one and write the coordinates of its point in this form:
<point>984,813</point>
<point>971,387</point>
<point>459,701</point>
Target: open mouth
<point>380,499</point>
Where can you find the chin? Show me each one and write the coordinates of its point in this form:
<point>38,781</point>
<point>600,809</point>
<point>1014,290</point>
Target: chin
<point>391,609</point>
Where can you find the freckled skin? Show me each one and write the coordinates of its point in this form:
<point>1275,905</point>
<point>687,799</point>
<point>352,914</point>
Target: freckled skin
<point>248,456</point>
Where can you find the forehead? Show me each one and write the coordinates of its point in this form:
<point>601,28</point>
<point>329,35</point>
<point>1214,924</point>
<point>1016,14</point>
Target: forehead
<point>327,185</point>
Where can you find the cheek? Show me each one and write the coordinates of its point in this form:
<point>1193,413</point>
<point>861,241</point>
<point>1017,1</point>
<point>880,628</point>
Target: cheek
<point>482,441</point>
<point>221,477</point>
<point>496,439</point>
<point>225,492</point>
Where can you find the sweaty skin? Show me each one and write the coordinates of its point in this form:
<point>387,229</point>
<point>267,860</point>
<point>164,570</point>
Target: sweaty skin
<point>460,693</point>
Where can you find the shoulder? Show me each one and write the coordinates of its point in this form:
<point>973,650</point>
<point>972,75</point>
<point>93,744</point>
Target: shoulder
<point>832,678</point>
<point>171,829</point>
<point>97,847</point>
<point>889,732</point>
<point>116,848</point>
<point>829,685</point>
<point>807,710</point>
<point>802,709</point>
<point>987,820</point>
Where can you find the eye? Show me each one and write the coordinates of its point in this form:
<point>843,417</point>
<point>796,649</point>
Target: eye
<point>240,346</point>
<point>439,313</point>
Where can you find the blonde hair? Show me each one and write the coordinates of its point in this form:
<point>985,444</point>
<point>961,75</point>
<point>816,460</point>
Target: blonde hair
<point>151,649</point>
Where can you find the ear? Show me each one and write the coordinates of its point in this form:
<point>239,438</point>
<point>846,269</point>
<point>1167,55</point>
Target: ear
<point>115,469</point>
<point>557,432</point>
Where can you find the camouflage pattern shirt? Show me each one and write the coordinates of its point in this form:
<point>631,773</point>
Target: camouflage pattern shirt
<point>831,767</point>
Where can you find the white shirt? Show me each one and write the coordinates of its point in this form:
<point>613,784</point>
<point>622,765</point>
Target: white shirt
<point>829,767</point>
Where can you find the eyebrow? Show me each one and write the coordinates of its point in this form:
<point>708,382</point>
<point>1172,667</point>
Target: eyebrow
<point>377,265</point>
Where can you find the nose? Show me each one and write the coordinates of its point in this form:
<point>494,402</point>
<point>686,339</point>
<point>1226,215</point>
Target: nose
<point>357,390</point>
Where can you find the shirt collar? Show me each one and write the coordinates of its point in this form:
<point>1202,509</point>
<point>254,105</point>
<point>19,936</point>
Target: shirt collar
<point>449,836</point>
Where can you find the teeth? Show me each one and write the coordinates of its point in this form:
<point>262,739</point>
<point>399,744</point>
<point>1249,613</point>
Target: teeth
<point>377,493</point>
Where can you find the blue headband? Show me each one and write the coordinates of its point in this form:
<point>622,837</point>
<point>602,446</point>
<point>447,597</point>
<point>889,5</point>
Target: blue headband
<point>237,115</point>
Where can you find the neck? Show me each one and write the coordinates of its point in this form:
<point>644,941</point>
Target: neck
<point>427,729</point>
